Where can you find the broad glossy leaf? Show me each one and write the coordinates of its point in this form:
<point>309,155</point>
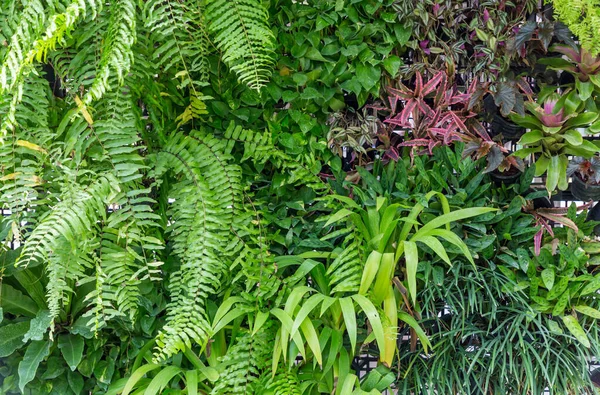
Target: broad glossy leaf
<point>531,137</point>
<point>587,310</point>
<point>576,330</point>
<point>553,173</point>
<point>11,337</point>
<point>76,382</point>
<point>15,302</point>
<point>581,120</point>
<point>39,326</point>
<point>35,353</point>
<point>71,347</point>
<point>548,278</point>
<point>585,89</point>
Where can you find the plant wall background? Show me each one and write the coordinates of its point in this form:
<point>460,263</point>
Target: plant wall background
<point>214,197</point>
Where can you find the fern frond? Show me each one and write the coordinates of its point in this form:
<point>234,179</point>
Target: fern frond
<point>194,110</point>
<point>117,55</point>
<point>76,65</point>
<point>22,155</point>
<point>260,148</point>
<point>206,201</point>
<point>31,25</point>
<point>66,267</point>
<point>245,363</point>
<point>182,43</point>
<point>345,271</point>
<point>241,32</point>
<point>582,17</point>
<point>75,215</point>
<point>60,26</point>
<point>285,382</point>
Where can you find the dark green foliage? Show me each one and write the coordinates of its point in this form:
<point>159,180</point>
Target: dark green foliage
<point>174,220</point>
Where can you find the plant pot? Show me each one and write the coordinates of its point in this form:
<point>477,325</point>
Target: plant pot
<point>542,202</point>
<point>583,192</point>
<point>595,377</point>
<point>509,130</point>
<point>506,178</point>
<point>594,215</point>
<point>499,124</point>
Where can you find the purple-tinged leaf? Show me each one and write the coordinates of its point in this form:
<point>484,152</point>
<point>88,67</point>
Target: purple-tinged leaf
<point>537,241</point>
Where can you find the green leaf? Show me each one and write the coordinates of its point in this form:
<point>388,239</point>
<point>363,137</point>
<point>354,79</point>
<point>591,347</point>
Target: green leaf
<point>392,65</point>
<point>531,137</point>
<point>384,278</point>
<point>76,382</point>
<point>436,246</point>
<point>39,326</point>
<point>576,330</point>
<point>553,174</point>
<point>554,327</point>
<point>32,284</point>
<point>137,375</point>
<point>259,321</point>
<point>591,287</point>
<point>15,302</point>
<point>581,120</point>
<point>314,54</point>
<point>453,216</point>
<point>370,271</point>
<point>349,320</point>
<point>418,329</point>
<point>11,337</point>
<point>162,379</point>
<point>71,347</point>
<point>561,304</point>
<point>343,213</point>
<point>305,310</point>
<point>367,75</point>
<point>411,255</point>
<point>374,318</point>
<point>35,353</point>
<point>312,339</point>
<point>403,33</point>
<point>585,89</point>
<point>452,238</point>
<point>587,310</point>
<point>548,278</point>
<point>573,137</point>
<point>558,288</point>
<point>563,182</point>
<point>191,382</point>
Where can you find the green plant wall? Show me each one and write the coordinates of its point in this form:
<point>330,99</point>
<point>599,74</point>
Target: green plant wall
<point>179,216</point>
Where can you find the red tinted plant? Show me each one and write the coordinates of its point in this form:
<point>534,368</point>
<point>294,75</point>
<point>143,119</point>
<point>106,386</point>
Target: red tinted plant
<point>435,113</point>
